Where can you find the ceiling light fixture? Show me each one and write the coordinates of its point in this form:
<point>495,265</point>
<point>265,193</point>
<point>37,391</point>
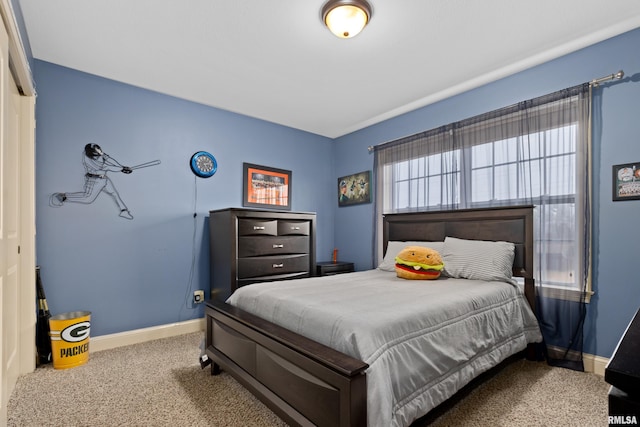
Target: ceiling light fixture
<point>346,18</point>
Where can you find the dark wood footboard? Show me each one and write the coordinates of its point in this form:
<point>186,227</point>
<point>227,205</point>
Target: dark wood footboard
<point>302,381</point>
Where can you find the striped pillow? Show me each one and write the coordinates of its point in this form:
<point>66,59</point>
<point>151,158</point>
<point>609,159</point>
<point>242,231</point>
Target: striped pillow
<point>478,259</point>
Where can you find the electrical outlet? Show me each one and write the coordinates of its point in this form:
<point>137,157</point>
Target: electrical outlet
<point>198,297</point>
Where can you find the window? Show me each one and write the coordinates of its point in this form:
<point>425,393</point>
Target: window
<point>532,154</point>
<point>425,182</point>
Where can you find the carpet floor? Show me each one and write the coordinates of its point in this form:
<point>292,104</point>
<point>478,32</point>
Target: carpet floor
<point>160,383</point>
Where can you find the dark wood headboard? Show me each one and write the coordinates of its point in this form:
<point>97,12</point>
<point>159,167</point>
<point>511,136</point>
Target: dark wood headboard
<point>508,224</point>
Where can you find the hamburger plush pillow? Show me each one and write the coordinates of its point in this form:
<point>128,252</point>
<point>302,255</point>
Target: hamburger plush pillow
<point>418,263</point>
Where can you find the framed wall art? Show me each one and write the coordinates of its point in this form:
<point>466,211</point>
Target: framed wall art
<point>626,182</point>
<point>265,187</point>
<point>354,189</point>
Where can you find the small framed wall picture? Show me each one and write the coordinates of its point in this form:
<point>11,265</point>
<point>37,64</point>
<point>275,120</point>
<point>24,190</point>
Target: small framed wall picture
<point>354,189</point>
<point>265,187</point>
<point>626,182</point>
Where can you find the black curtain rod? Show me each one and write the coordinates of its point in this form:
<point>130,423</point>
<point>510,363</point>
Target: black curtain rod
<point>541,100</point>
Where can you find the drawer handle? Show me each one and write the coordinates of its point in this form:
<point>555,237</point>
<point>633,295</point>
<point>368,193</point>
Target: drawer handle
<point>295,228</point>
<point>258,227</point>
<point>278,246</point>
<point>278,265</point>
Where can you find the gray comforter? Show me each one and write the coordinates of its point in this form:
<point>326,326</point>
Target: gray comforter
<point>423,340</point>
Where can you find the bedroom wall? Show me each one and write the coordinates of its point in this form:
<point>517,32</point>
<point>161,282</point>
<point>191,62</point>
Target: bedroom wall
<point>137,273</point>
<point>616,230</point>
<point>134,274</point>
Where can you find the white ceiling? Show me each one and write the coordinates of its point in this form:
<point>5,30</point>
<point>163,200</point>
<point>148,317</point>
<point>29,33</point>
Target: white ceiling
<point>275,60</point>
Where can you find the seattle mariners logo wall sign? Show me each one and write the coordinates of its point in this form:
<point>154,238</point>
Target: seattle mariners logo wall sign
<point>203,164</point>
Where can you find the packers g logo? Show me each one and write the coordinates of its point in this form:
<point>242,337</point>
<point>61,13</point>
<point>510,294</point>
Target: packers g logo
<point>76,332</point>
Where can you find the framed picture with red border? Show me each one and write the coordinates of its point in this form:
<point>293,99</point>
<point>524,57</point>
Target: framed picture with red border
<point>266,187</point>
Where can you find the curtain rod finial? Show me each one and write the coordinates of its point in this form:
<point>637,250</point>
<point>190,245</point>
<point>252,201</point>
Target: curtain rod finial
<point>614,76</point>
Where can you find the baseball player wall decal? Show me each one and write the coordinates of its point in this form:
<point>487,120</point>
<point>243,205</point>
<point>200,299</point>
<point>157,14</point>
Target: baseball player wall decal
<point>97,164</point>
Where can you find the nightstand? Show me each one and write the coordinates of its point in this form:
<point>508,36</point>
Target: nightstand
<point>331,268</point>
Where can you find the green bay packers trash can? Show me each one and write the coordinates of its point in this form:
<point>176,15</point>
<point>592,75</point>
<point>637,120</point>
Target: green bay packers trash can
<point>70,339</point>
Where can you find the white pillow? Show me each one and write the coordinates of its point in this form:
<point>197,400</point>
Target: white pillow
<point>394,247</point>
<point>478,259</point>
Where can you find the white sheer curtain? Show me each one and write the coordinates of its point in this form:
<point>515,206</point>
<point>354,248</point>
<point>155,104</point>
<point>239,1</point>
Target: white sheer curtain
<point>535,152</point>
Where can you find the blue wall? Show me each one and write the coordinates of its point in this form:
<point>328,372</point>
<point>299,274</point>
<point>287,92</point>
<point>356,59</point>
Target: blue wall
<point>617,135</point>
<point>136,273</point>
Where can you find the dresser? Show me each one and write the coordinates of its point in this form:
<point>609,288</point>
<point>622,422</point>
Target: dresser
<point>249,246</point>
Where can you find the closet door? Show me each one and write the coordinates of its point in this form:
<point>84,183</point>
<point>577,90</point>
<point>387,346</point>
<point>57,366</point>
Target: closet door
<point>10,203</point>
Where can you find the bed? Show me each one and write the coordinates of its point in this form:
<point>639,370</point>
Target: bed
<point>336,350</point>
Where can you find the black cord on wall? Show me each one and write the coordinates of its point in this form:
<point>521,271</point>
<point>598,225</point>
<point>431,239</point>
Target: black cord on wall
<point>188,296</point>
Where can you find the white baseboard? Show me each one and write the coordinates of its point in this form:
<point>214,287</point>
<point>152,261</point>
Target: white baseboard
<point>592,363</point>
<point>595,364</point>
<point>105,342</point>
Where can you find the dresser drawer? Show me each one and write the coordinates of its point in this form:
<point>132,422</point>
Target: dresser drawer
<point>257,227</point>
<point>267,245</point>
<point>272,278</point>
<point>289,228</point>
<point>268,265</point>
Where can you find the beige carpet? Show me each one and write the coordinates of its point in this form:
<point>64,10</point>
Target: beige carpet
<point>524,393</point>
<point>160,383</point>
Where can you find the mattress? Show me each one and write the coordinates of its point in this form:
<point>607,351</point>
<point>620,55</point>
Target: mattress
<point>423,340</point>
